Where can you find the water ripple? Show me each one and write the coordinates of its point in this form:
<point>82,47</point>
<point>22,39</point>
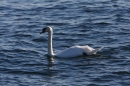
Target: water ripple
<point>23,50</point>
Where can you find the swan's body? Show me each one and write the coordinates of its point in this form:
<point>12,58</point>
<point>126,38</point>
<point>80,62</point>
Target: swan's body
<point>73,51</point>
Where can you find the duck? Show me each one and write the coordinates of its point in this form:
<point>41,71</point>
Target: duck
<point>73,51</point>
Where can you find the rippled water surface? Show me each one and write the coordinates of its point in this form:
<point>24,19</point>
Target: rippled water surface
<point>23,60</point>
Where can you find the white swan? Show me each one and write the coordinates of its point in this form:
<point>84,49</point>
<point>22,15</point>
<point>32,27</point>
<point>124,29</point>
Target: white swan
<point>73,51</point>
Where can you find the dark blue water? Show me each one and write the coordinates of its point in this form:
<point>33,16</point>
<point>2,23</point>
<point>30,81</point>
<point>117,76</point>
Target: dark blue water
<point>23,60</point>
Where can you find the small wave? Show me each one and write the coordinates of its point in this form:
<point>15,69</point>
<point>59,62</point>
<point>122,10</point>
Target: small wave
<point>59,24</point>
<point>28,72</point>
<point>121,72</point>
<point>102,23</point>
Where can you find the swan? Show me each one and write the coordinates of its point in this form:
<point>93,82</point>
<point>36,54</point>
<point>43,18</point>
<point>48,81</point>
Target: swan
<point>73,51</point>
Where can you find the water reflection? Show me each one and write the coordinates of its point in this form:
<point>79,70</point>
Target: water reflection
<point>50,62</point>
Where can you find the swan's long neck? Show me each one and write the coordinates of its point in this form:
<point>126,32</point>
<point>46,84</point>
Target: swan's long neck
<point>50,47</point>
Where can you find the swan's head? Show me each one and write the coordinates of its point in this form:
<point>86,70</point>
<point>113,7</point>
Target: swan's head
<point>46,29</point>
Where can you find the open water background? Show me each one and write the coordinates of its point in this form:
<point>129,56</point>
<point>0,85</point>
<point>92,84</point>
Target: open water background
<point>23,60</point>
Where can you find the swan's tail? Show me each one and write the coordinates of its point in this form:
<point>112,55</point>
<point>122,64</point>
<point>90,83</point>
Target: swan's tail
<point>95,51</point>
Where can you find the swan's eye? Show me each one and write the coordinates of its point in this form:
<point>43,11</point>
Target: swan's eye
<point>43,30</point>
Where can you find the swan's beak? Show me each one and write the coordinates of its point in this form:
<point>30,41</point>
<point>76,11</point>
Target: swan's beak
<point>43,31</point>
